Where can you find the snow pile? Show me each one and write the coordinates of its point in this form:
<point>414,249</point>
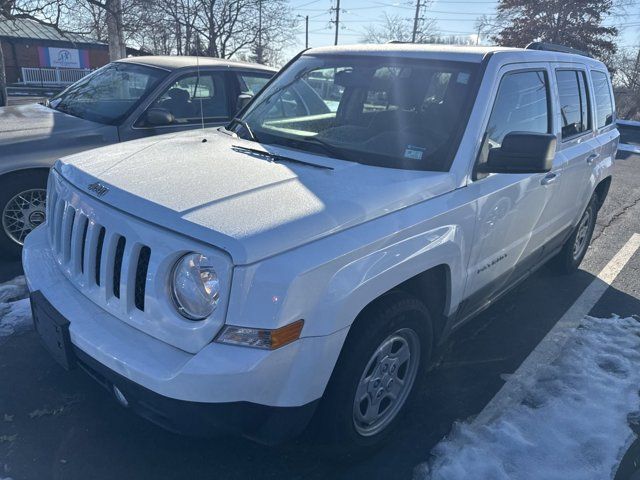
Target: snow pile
<point>573,424</point>
<point>15,311</point>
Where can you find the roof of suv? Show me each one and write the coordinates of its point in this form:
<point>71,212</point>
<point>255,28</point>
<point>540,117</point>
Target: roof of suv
<point>449,52</point>
<point>174,62</point>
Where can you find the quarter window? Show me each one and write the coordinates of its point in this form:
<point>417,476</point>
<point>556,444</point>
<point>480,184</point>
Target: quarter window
<point>602,95</point>
<point>521,105</point>
<point>574,102</point>
<point>253,82</point>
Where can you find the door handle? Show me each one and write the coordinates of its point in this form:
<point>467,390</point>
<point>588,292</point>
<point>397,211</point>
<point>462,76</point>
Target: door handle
<point>591,158</point>
<point>549,178</point>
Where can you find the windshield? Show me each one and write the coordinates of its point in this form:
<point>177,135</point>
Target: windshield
<point>108,94</point>
<point>389,112</point>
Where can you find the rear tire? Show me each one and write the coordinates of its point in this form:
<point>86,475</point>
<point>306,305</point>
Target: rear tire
<point>574,250</point>
<point>22,208</point>
<point>382,364</point>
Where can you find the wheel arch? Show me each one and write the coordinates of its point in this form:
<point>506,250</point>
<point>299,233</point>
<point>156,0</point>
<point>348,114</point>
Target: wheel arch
<point>432,287</point>
<point>23,170</point>
<point>602,190</point>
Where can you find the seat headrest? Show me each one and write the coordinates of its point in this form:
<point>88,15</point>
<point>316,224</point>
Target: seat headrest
<point>179,94</point>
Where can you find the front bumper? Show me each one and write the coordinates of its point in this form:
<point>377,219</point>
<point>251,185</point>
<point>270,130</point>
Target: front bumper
<point>218,374</point>
<point>263,424</point>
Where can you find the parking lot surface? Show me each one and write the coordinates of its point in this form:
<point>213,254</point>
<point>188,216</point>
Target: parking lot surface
<point>62,425</point>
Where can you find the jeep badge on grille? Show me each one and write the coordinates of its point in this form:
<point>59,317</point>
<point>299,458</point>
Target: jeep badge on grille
<point>98,189</point>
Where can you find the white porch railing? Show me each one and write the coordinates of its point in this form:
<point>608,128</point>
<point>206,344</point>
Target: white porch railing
<point>52,76</point>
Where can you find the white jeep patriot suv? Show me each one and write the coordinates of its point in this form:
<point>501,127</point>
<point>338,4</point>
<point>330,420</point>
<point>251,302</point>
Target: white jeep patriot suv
<point>309,260</point>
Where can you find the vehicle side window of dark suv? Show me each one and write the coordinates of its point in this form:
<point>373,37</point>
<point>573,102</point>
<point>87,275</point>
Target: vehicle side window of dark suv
<point>603,100</point>
<point>521,105</point>
<point>574,103</point>
<point>192,98</point>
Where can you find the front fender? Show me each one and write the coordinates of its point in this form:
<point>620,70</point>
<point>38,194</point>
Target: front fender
<point>328,283</point>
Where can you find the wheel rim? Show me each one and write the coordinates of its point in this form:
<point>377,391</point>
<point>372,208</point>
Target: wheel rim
<point>582,235</point>
<point>23,213</point>
<point>386,382</point>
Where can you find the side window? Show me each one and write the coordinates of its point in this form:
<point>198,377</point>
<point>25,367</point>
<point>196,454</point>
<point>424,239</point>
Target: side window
<point>602,95</point>
<point>253,82</point>
<point>574,102</point>
<point>194,97</point>
<point>521,105</point>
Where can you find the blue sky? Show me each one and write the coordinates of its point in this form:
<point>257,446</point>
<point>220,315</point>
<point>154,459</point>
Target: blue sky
<point>452,16</point>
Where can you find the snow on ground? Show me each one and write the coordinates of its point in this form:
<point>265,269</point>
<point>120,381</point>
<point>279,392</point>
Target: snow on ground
<point>15,311</point>
<point>573,423</point>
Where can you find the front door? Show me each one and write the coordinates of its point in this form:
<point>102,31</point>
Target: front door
<point>193,100</point>
<point>511,225</point>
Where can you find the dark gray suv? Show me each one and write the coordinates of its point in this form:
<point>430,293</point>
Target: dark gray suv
<point>127,99</point>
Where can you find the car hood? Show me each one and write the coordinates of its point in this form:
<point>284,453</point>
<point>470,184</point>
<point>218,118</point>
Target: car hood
<point>30,131</point>
<point>245,204</point>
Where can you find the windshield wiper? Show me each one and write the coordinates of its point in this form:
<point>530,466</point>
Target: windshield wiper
<point>326,146</point>
<point>274,157</point>
<point>246,126</point>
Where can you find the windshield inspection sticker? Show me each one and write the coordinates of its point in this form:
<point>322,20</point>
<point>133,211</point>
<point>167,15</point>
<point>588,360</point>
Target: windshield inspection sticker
<point>463,78</point>
<point>413,152</point>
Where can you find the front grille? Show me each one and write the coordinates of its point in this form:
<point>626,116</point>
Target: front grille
<point>99,256</point>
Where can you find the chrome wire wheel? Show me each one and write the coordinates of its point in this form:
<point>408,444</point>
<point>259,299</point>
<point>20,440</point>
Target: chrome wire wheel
<point>386,382</point>
<point>24,212</point>
<point>582,235</point>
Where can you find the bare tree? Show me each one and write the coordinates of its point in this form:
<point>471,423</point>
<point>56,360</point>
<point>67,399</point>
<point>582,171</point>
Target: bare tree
<point>398,28</point>
<point>115,26</point>
<point>626,82</point>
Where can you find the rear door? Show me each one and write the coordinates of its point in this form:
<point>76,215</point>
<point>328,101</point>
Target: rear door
<point>578,149</point>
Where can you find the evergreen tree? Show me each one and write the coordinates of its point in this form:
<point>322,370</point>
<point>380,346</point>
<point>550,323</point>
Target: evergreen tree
<point>574,23</point>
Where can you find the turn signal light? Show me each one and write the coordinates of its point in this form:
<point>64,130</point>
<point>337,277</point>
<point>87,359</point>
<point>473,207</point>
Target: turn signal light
<point>261,338</point>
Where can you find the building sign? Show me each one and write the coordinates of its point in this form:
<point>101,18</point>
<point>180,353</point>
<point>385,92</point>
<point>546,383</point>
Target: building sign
<point>63,57</point>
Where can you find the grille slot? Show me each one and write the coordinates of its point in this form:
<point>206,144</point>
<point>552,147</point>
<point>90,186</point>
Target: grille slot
<point>117,266</point>
<point>99,254</point>
<point>83,245</point>
<point>67,229</point>
<point>141,277</point>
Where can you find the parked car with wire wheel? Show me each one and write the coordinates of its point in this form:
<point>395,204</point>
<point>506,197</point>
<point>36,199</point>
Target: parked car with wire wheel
<point>304,266</point>
<point>125,100</point>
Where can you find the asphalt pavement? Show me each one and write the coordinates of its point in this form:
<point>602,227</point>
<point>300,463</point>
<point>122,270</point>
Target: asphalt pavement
<point>62,425</point>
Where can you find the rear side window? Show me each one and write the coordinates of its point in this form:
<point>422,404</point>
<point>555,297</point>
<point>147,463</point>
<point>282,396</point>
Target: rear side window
<point>521,106</point>
<point>574,102</point>
<point>602,95</point>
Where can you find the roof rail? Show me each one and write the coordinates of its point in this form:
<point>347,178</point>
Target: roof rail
<point>552,47</point>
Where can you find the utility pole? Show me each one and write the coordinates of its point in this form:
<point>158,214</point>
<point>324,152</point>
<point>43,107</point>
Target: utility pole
<point>306,32</point>
<point>415,21</point>
<point>337,21</point>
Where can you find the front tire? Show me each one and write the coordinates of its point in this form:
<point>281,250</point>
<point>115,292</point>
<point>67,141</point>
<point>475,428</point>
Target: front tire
<point>574,250</point>
<point>381,366</point>
<point>22,208</point>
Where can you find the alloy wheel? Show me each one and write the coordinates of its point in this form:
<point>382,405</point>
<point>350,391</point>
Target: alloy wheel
<point>24,212</point>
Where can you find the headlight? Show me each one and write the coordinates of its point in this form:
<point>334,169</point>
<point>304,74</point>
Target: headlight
<point>195,286</point>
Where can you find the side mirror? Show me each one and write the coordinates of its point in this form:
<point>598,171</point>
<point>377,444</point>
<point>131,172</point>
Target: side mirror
<point>159,116</point>
<point>243,101</point>
<point>521,152</point>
